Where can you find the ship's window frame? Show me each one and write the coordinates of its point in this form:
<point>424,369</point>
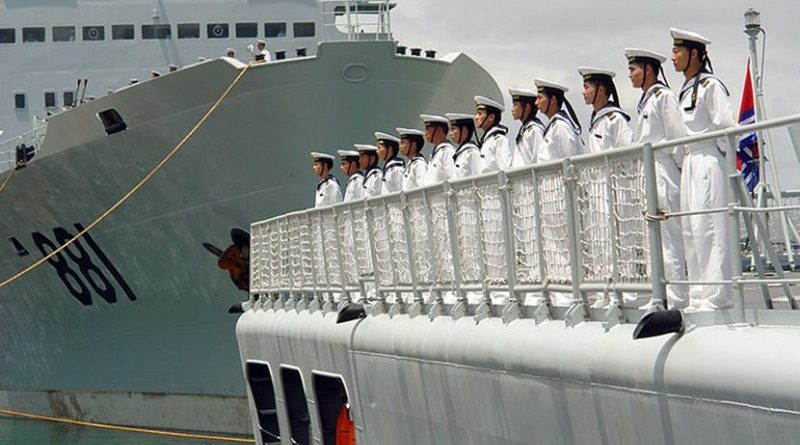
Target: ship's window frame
<point>68,96</point>
<point>188,30</point>
<point>120,32</point>
<point>86,33</point>
<point>34,31</point>
<point>59,36</point>
<point>24,97</point>
<point>281,27</point>
<point>112,121</point>
<point>328,402</point>
<point>212,31</point>
<point>300,30</point>
<point>50,99</point>
<point>156,31</point>
<point>297,412</point>
<point>5,33</point>
<point>250,27</point>
<point>265,400</point>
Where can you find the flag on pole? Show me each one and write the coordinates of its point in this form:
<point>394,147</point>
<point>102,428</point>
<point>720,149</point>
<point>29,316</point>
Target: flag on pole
<point>748,152</point>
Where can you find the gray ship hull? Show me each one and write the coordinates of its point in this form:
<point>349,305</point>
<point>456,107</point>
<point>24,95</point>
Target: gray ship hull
<point>131,326</point>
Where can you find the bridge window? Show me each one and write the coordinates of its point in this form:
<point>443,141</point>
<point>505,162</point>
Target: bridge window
<point>261,387</point>
<point>331,398</point>
<point>217,31</point>
<point>160,32</point>
<point>246,30</point>
<point>63,33</point>
<point>122,32</point>
<point>50,99</point>
<point>275,30</point>
<point>20,101</point>
<point>69,98</point>
<point>189,31</point>
<point>8,35</point>
<point>305,29</point>
<point>296,406</point>
<point>94,33</point>
<point>33,34</point>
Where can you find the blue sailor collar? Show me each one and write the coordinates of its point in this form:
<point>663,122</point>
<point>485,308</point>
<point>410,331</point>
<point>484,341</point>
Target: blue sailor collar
<point>371,172</point>
<point>392,163</point>
<point>464,148</point>
<point>530,123</point>
<point>328,179</point>
<point>496,130</point>
<point>648,94</point>
<point>355,176</point>
<point>703,79</point>
<point>436,149</point>
<point>417,158</point>
<point>605,111</point>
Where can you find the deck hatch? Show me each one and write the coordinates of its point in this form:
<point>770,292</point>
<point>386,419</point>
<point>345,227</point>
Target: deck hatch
<point>112,121</point>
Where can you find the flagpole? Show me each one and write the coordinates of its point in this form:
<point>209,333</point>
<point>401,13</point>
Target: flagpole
<point>753,29</point>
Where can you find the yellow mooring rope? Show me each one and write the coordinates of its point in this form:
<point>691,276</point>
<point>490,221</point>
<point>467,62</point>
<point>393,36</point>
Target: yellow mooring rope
<point>135,188</point>
<point>8,178</point>
<point>105,426</point>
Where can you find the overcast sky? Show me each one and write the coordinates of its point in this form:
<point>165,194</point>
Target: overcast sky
<point>517,40</point>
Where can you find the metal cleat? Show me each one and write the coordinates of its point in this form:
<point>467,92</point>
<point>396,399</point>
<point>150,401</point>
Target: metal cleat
<point>578,313</point>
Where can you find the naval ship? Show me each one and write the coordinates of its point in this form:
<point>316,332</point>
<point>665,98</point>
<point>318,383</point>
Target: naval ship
<point>130,325</point>
<point>347,336</point>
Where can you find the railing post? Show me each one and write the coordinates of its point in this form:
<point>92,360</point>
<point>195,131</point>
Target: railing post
<point>486,300</point>
<point>412,257</point>
<point>580,307</point>
<point>613,230</point>
<point>545,310</point>
<point>654,229</point>
<point>734,234</point>
<point>435,273</point>
<point>513,309</point>
<point>460,308</point>
<point>339,246</point>
<point>379,306</point>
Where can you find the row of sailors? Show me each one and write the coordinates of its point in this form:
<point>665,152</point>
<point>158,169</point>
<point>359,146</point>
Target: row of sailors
<point>693,178</point>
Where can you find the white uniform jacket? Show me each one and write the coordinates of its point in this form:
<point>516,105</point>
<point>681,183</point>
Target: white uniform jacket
<point>328,192</point>
<point>561,139</point>
<point>660,120</point>
<point>373,181</point>
<point>355,187</point>
<point>704,186</point>
<point>466,161</point>
<point>529,143</point>
<point>393,173</point>
<point>441,164</point>
<point>496,152</point>
<point>609,129</point>
<point>416,170</point>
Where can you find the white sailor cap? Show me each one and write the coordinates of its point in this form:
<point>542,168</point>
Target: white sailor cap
<point>229,50</point>
<point>261,42</point>
<point>155,73</point>
<point>410,132</point>
<point>483,102</point>
<point>517,94</point>
<point>638,54</point>
<point>383,138</point>
<point>434,119</point>
<point>347,154</point>
<point>456,118</point>
<point>321,156</point>
<point>589,73</point>
<point>366,148</point>
<point>542,84</point>
<point>687,38</point>
<point>172,66</point>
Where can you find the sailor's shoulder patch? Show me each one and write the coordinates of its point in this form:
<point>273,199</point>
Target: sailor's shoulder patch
<point>658,92</point>
<point>612,117</point>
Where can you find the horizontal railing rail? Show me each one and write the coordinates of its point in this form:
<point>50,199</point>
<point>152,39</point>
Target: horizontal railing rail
<point>8,148</point>
<point>555,233</point>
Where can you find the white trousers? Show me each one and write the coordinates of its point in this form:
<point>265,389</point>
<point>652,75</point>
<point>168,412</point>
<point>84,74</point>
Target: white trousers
<point>705,237</point>
<point>668,179</point>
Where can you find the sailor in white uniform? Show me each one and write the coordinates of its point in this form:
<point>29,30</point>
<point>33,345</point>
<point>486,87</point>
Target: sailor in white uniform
<point>260,53</point>
<point>706,107</point>
<point>562,134</point>
<point>496,152</point>
<point>393,166</point>
<point>411,143</point>
<point>467,158</point>
<point>328,191</point>
<point>531,131</point>
<point>659,120</point>
<point>441,164</point>
<point>368,162</point>
<point>350,169</point>
<point>608,125</point>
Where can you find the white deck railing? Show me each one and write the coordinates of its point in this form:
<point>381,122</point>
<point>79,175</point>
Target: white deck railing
<point>8,148</point>
<point>575,226</point>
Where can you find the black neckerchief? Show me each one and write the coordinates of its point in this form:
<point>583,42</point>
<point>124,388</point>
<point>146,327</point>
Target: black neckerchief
<point>693,84</point>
